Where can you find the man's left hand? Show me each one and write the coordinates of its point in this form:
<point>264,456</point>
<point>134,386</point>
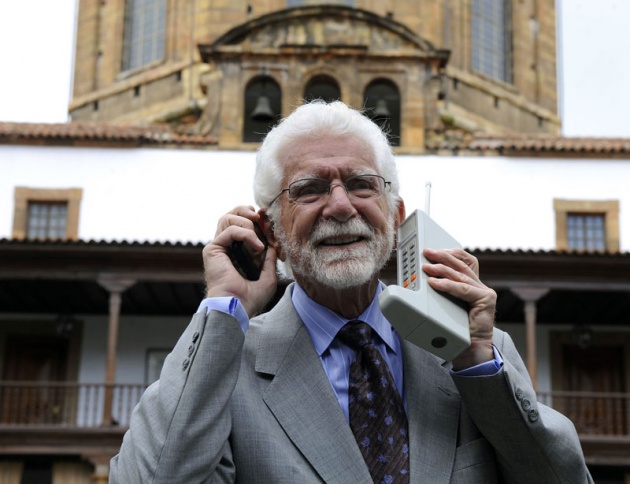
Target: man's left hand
<point>456,272</point>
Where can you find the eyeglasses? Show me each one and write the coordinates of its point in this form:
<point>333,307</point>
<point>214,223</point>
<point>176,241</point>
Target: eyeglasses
<point>311,190</point>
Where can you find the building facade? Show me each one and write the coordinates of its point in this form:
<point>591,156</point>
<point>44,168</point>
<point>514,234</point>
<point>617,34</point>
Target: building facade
<point>424,68</point>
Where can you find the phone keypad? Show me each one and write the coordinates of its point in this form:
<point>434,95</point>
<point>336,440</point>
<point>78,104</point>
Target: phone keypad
<point>409,266</point>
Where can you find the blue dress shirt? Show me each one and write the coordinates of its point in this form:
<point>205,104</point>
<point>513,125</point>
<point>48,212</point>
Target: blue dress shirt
<point>323,325</point>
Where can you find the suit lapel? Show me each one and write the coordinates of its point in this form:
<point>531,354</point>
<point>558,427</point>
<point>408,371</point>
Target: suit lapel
<point>433,408</point>
<point>302,400</point>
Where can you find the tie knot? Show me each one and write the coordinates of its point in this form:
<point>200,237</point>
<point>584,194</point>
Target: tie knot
<point>356,334</point>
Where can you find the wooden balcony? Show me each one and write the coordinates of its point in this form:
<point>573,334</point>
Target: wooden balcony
<point>67,404</point>
<point>39,417</point>
<point>602,421</point>
<point>65,417</point>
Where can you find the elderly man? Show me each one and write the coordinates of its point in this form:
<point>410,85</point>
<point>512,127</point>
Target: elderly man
<point>322,388</point>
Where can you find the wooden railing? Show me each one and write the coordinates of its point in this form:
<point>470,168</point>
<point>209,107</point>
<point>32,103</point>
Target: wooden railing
<point>67,404</point>
<point>593,413</point>
<point>72,404</point>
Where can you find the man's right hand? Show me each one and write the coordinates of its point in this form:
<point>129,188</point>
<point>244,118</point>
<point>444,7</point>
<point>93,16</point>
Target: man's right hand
<point>222,278</point>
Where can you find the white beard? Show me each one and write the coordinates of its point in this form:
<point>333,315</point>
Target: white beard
<point>343,267</point>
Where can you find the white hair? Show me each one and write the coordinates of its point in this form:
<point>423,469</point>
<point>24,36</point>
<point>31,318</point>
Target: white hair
<point>319,119</point>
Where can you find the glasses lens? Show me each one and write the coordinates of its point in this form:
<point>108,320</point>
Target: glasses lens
<point>308,190</point>
<point>365,186</point>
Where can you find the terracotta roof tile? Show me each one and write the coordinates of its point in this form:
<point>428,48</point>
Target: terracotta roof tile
<point>99,133</point>
<point>12,242</point>
<point>548,143</point>
<point>89,132</point>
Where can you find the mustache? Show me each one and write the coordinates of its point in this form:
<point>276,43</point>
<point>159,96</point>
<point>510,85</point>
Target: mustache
<point>328,228</point>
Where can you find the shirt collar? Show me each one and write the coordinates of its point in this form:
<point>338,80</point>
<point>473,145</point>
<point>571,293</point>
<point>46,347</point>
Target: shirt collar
<point>323,324</point>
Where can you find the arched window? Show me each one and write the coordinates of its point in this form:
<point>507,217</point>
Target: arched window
<point>299,3</point>
<point>263,108</point>
<point>382,105</point>
<point>322,87</point>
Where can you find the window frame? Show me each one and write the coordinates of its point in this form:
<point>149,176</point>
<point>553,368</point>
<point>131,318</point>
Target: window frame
<point>23,195</point>
<point>608,208</point>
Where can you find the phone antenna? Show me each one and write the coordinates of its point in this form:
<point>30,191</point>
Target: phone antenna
<point>427,198</point>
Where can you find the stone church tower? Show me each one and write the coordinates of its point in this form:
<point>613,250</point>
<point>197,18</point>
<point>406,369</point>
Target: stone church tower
<point>426,69</point>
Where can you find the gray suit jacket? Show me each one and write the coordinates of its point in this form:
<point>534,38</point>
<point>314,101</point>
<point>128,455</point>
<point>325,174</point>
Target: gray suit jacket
<point>260,409</point>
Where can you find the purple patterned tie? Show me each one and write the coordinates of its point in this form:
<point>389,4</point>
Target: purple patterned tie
<point>377,414</point>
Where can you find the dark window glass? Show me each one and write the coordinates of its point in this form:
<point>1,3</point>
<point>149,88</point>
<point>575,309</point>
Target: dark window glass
<point>299,3</point>
<point>47,220</point>
<point>322,87</point>
<point>586,231</point>
<point>492,38</point>
<point>382,105</point>
<point>145,31</point>
<point>263,108</point>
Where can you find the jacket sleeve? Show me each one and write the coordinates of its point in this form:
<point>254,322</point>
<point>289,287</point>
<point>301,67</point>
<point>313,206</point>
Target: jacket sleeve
<point>532,442</point>
<point>179,430</point>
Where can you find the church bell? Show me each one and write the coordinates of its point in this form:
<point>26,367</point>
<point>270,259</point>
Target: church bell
<point>262,111</point>
<point>381,110</point>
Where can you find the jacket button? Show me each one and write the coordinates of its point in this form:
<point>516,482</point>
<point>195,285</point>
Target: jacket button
<point>519,394</point>
<point>526,404</point>
<point>191,349</point>
<point>532,415</point>
<point>195,336</point>
<point>185,364</point>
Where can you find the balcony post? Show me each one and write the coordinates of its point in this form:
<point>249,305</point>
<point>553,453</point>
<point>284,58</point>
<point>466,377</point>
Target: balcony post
<point>100,462</point>
<point>530,296</point>
<point>115,286</point>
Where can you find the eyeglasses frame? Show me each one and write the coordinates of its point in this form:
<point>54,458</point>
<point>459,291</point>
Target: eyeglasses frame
<point>386,187</point>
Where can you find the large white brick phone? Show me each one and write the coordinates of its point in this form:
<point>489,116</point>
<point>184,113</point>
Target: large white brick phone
<point>427,318</point>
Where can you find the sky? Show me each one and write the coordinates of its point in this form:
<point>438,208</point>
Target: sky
<point>36,57</point>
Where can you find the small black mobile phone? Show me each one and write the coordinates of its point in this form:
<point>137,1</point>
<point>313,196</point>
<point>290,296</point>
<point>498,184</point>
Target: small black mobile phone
<point>248,263</point>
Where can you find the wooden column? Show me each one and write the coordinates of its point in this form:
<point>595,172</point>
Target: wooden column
<point>100,463</point>
<point>531,295</point>
<point>115,286</point>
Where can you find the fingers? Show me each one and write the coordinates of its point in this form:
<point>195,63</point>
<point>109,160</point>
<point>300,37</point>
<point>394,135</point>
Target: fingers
<point>225,238</point>
<point>454,257</point>
<point>241,216</point>
<point>455,271</point>
<point>238,224</point>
